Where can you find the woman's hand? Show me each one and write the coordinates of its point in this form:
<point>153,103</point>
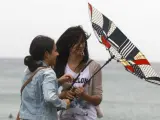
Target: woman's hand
<point>67,95</point>
<point>65,78</point>
<point>70,95</point>
<point>93,99</point>
<point>79,91</point>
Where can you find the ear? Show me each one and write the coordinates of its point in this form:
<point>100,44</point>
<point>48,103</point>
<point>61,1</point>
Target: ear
<point>46,55</point>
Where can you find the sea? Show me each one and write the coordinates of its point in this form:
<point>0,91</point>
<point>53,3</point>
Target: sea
<point>125,97</point>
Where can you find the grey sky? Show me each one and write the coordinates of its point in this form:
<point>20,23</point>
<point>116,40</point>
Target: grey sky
<point>22,20</point>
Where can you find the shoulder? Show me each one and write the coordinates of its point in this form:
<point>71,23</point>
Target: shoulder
<point>94,64</point>
<point>47,72</point>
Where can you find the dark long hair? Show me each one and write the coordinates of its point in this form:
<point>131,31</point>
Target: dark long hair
<point>68,39</point>
<point>39,45</point>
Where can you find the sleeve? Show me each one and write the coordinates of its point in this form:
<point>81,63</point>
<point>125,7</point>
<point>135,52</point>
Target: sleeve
<point>50,90</point>
<point>97,82</point>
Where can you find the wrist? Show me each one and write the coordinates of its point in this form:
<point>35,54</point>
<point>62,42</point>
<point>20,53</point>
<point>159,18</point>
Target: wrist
<point>62,95</point>
<point>83,94</point>
<point>59,81</point>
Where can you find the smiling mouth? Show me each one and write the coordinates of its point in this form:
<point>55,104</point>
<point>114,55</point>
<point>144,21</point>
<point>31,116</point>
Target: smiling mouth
<point>82,53</point>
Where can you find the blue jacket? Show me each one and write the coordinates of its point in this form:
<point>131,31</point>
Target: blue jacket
<point>39,100</point>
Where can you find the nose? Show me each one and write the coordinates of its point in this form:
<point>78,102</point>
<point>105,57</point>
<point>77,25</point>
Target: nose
<point>57,53</point>
<point>81,46</point>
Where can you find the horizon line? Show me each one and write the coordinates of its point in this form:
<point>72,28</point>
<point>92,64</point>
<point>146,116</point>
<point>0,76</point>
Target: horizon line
<point>91,58</point>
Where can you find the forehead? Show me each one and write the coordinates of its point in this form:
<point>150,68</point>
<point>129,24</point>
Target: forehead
<point>81,41</point>
<point>54,47</point>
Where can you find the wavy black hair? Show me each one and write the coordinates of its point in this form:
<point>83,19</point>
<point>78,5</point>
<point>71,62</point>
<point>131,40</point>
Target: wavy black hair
<point>68,39</point>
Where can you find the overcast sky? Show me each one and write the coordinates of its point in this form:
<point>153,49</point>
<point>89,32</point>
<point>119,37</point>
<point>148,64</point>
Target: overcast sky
<point>22,20</point>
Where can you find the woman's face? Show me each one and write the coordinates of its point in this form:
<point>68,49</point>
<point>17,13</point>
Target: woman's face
<point>51,57</point>
<point>78,49</point>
